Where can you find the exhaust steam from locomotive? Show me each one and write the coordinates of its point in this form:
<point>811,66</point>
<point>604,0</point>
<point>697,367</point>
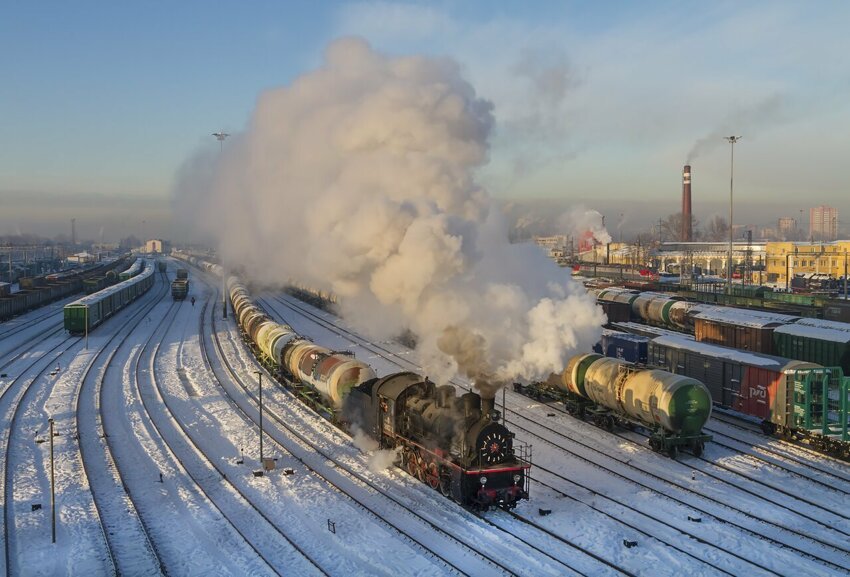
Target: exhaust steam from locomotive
<point>359,178</point>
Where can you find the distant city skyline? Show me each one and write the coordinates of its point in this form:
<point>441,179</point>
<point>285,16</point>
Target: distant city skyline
<point>598,104</point>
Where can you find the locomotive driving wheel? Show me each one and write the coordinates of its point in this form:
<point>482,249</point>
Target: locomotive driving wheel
<point>432,475</point>
<point>410,462</point>
<point>445,481</point>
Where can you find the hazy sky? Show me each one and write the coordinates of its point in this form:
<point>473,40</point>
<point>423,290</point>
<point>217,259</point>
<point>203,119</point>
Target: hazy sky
<point>101,102</point>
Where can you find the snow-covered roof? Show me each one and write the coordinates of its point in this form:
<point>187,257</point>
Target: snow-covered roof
<point>756,359</point>
<point>744,317</point>
<point>624,336</point>
<point>832,331</point>
<point>94,297</point>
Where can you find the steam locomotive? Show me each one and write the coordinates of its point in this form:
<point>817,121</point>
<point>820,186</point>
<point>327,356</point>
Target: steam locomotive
<point>454,444</point>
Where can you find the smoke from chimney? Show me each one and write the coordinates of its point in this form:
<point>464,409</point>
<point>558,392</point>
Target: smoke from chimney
<point>687,233</point>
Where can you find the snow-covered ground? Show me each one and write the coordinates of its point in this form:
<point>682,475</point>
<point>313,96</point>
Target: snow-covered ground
<point>158,449</point>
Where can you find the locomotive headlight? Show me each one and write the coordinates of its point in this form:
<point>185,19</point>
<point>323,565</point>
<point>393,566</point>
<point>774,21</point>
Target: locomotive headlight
<point>517,478</point>
<point>483,480</point>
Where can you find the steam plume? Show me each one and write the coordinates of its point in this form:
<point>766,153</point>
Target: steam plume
<point>359,178</point>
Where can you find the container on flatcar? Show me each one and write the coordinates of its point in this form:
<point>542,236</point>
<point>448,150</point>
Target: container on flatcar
<point>179,289</point>
<point>182,273</point>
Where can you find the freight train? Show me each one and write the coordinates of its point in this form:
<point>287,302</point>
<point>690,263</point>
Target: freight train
<point>819,341</point>
<point>83,315</point>
<point>41,290</point>
<point>457,445</point>
<point>612,392</point>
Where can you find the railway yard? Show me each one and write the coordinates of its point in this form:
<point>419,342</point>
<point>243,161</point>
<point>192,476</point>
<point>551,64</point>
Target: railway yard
<point>155,459</point>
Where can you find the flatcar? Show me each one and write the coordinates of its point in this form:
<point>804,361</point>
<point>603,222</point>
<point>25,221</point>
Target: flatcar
<point>88,312</point>
<point>613,392</point>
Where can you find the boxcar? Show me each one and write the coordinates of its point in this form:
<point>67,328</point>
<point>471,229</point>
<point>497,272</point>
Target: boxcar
<point>625,346</point>
<point>818,341</point>
<point>752,383</point>
<point>179,289</point>
<point>90,311</point>
<point>182,273</point>
<point>743,329</point>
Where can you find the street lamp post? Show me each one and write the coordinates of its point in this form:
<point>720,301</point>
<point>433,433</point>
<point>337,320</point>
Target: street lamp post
<point>260,375</point>
<point>732,140</point>
<point>220,136</point>
<point>52,486</point>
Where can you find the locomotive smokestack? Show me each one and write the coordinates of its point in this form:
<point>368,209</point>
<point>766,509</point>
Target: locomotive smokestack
<point>687,233</point>
<point>487,405</point>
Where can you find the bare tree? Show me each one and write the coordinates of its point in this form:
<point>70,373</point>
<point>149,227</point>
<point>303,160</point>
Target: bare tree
<point>717,229</point>
<point>671,226</point>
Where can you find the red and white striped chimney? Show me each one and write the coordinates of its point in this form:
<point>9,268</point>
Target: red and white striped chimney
<point>687,233</point>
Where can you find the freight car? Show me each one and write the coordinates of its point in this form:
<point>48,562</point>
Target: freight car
<point>819,341</point>
<point>179,289</point>
<point>88,312</point>
<point>796,399</point>
<point>39,291</point>
<point>612,392</point>
<point>454,444</point>
<point>135,269</point>
<point>623,345</point>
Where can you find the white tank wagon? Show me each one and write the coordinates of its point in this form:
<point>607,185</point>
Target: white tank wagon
<point>333,374</point>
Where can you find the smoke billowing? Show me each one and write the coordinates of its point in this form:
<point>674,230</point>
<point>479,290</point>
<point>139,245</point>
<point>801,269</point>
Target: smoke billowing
<point>359,178</point>
<point>745,121</point>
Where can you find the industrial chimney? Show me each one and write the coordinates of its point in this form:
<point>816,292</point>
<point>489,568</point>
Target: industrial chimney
<point>687,233</point>
<point>73,232</point>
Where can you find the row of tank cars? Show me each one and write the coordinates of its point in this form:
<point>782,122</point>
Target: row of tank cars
<point>802,393</point>
<point>83,315</point>
<point>41,290</point>
<point>456,444</point>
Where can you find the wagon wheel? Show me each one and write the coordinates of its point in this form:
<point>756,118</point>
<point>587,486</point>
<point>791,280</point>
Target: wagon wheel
<point>445,481</point>
<point>673,451</point>
<point>654,444</point>
<point>609,423</point>
<point>432,475</point>
<point>697,448</point>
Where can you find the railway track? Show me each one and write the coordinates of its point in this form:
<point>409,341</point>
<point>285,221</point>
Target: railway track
<point>210,476</point>
<point>791,546</point>
<point>131,548</point>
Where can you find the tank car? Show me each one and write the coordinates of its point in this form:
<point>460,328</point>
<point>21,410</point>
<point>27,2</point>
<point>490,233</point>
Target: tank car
<point>613,392</point>
<point>454,444</point>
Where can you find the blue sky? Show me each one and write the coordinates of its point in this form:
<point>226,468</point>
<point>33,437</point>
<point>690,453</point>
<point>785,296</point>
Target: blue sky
<point>101,102</point>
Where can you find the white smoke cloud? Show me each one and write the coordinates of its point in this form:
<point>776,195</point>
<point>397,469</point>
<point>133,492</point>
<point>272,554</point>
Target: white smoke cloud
<point>359,178</point>
<point>379,459</point>
<point>579,220</point>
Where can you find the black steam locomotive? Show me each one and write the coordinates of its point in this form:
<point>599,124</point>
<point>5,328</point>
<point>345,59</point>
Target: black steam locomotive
<point>454,444</point>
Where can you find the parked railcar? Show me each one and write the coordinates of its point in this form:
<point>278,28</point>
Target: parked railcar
<point>39,291</point>
<point>793,398</point>
<point>623,345</point>
<point>88,312</point>
<point>612,392</point>
<point>819,341</point>
<point>739,328</point>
